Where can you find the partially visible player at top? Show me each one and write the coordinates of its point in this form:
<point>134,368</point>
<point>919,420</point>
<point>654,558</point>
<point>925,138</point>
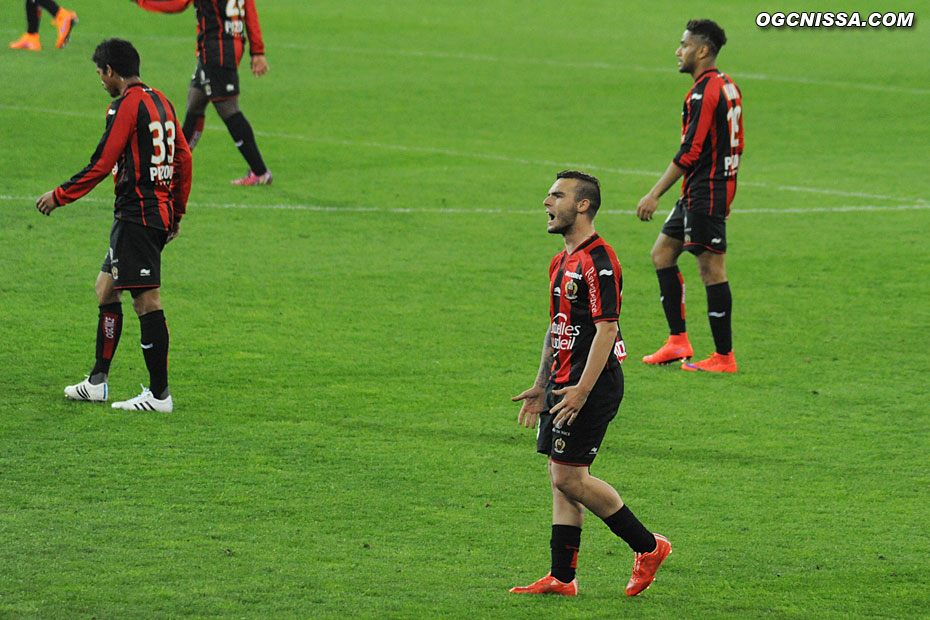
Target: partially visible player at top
<point>578,389</point>
<point>222,29</point>
<point>151,167</point>
<point>709,158</point>
<point>64,23</point>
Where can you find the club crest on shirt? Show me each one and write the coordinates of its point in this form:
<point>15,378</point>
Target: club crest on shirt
<point>571,290</point>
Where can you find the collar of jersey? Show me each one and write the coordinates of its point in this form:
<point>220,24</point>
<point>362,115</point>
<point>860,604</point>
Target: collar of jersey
<point>705,71</point>
<point>585,243</point>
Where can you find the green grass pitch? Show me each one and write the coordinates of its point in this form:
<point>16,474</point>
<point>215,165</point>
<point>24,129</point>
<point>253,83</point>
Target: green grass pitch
<point>345,341</point>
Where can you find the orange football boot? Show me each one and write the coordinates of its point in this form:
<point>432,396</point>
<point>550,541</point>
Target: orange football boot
<point>64,22</point>
<point>549,585</point>
<point>714,363</point>
<point>254,179</point>
<point>646,565</point>
<point>29,41</point>
<point>676,349</point>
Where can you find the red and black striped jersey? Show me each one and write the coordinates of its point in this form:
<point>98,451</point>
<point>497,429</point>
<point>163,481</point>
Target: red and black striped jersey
<point>585,287</point>
<point>144,149</point>
<point>711,143</point>
<point>222,28</point>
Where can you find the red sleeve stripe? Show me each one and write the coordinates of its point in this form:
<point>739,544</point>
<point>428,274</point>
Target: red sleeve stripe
<point>700,121</point>
<point>104,158</point>
<point>253,30</point>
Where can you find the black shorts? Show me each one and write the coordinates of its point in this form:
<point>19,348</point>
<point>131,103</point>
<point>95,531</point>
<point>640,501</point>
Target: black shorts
<point>578,444</point>
<point>697,231</point>
<point>134,259</point>
<point>216,82</point>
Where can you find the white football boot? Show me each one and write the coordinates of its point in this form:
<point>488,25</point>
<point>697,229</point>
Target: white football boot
<point>85,390</point>
<point>146,401</point>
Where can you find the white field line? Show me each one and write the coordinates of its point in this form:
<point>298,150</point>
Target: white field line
<point>30,200</point>
<point>551,164</point>
<point>569,64</point>
<point>601,65</point>
<point>504,158</point>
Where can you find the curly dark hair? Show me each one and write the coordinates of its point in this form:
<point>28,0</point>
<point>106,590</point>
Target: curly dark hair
<point>120,55</point>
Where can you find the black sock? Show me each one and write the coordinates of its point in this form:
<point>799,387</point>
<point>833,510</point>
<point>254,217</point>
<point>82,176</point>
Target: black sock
<point>565,541</point>
<point>49,5</point>
<point>624,524</point>
<point>109,328</point>
<point>193,129</point>
<point>32,18</point>
<point>719,309</point>
<point>155,350</point>
<point>672,290</point>
<point>242,135</point>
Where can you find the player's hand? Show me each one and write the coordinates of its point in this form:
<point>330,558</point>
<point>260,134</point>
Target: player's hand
<point>646,207</point>
<point>568,408</point>
<point>259,65</point>
<point>173,233</point>
<point>46,203</point>
<point>534,402</point>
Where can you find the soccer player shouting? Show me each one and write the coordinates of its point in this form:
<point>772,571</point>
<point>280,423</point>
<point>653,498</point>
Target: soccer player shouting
<point>579,387</point>
<point>711,146</point>
<point>222,28</point>
<point>151,166</point>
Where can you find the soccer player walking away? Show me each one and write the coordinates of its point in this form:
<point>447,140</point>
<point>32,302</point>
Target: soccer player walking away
<point>579,388</point>
<point>63,18</point>
<point>222,29</point>
<point>711,146</point>
<point>151,166</point>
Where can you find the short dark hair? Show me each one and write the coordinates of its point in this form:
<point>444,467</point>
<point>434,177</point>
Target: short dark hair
<point>712,34</point>
<point>120,55</point>
<point>589,189</point>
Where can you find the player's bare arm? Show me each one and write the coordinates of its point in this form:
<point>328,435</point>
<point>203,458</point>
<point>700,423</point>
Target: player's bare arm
<point>259,65</point>
<point>534,399</point>
<point>576,395</point>
<point>650,202</point>
<point>46,203</point>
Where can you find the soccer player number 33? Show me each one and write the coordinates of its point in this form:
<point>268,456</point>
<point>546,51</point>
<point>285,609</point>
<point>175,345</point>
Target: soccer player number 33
<point>162,150</point>
<point>160,136</point>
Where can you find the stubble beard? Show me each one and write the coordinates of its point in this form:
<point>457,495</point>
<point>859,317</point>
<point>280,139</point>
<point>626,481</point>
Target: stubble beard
<point>562,228</point>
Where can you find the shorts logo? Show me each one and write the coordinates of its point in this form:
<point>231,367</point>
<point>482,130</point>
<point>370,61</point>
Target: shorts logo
<point>230,88</point>
<point>559,446</point>
<point>114,272</point>
<point>593,451</point>
<point>208,89</point>
<point>716,240</point>
<point>571,290</point>
<point>145,272</point>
